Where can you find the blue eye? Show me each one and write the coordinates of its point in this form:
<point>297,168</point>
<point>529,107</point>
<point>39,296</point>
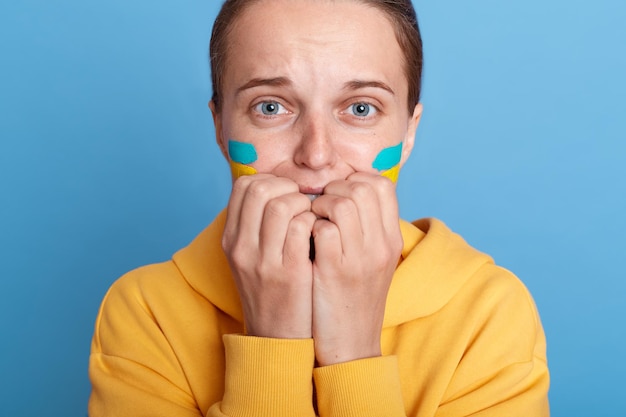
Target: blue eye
<point>362,109</point>
<point>270,108</point>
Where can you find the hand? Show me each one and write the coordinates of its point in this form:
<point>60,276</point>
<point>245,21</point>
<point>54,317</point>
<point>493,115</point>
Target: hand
<point>266,241</point>
<point>357,248</point>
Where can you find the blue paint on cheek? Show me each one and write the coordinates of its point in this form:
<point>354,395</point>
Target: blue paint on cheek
<point>388,158</point>
<point>241,152</point>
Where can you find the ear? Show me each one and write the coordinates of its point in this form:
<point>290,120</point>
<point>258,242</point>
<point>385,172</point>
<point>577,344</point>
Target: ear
<point>409,138</point>
<point>219,135</point>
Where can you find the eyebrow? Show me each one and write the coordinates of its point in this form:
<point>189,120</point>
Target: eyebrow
<point>272,82</point>
<point>284,81</point>
<point>358,84</point>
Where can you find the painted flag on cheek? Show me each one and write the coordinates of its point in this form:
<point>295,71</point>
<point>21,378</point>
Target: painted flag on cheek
<point>388,162</point>
<point>241,156</point>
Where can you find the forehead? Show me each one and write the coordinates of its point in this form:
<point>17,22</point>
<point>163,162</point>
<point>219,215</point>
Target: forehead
<point>343,38</point>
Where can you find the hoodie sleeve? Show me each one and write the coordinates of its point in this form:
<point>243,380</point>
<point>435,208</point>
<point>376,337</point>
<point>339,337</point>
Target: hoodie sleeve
<point>361,388</point>
<point>138,367</point>
<point>132,367</point>
<point>503,368</point>
<point>267,377</point>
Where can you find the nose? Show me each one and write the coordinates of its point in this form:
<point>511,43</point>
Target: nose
<point>315,149</point>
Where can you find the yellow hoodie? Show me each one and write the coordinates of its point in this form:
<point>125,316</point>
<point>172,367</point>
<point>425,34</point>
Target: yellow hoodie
<point>461,337</point>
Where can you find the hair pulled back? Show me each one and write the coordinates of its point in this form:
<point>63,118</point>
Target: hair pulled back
<point>400,12</point>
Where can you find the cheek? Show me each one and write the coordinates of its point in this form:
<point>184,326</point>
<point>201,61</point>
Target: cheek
<point>246,158</point>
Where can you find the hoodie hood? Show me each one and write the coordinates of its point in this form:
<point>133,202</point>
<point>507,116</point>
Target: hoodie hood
<point>205,267</point>
<point>435,264</point>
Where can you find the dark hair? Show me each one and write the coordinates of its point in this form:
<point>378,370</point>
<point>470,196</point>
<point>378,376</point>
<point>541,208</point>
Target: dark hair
<point>400,12</point>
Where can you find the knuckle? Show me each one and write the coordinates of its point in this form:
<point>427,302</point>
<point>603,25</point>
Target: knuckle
<point>325,229</point>
<point>241,184</point>
<point>226,242</point>
<point>277,207</point>
<point>258,189</point>
<point>238,254</point>
<point>361,190</point>
<point>299,225</point>
<point>343,207</point>
<point>264,272</point>
<point>383,184</point>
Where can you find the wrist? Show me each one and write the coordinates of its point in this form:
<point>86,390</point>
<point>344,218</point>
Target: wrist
<point>327,356</point>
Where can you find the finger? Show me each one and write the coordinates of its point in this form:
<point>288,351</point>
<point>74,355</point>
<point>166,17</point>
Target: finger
<point>367,204</point>
<point>233,213</point>
<point>344,214</point>
<point>257,193</point>
<point>328,245</point>
<point>389,221</point>
<point>277,218</point>
<point>385,191</point>
<point>297,240</point>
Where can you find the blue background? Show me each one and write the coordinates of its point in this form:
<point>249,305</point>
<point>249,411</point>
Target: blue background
<point>108,162</point>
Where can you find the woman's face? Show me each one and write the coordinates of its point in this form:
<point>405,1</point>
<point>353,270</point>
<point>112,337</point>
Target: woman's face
<point>314,91</point>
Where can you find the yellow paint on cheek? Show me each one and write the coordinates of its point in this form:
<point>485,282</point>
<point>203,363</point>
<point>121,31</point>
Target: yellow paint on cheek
<point>239,170</point>
<point>392,173</point>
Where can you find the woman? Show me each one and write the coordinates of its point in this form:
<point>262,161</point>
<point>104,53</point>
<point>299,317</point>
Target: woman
<point>308,294</point>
